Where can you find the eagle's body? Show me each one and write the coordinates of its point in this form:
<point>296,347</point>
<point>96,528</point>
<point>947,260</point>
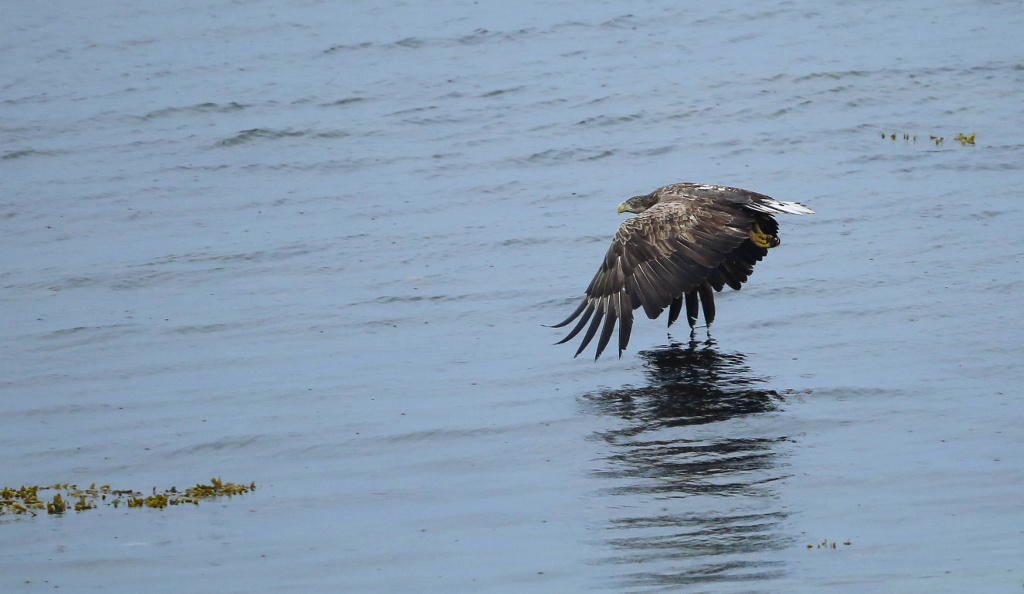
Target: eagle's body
<point>687,241</point>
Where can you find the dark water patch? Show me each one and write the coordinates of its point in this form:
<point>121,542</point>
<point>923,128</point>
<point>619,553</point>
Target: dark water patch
<point>445,435</point>
<point>417,298</point>
<point>148,279</point>
<point>412,110</point>
<point>499,92</point>
<point>907,74</point>
<point>209,328</point>
<point>833,75</point>
<point>66,409</point>
<point>410,43</point>
<point>847,392</point>
<point>480,36</point>
<point>246,136</point>
<point>329,166</point>
<point>569,25</point>
<point>280,253</point>
<point>40,379</point>
<point>556,156</point>
<point>434,120</point>
<point>329,134</point>
<point>688,114</point>
<point>529,241</point>
<point>224,443</point>
<point>344,101</point>
<point>384,322</point>
<point>74,282</point>
<point>25,153</point>
<point>477,37</point>
<point>81,336</point>
<point>207,107</point>
<point>970,167</point>
<point>603,120</point>
<point>347,47</point>
<point>142,276</point>
<point>65,332</point>
<point>29,99</point>
<point>656,151</point>
<point>197,167</point>
<point>625,21</point>
<point>258,134</point>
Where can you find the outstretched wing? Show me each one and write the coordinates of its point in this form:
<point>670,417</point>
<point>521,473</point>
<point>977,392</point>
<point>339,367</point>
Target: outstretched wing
<point>655,257</point>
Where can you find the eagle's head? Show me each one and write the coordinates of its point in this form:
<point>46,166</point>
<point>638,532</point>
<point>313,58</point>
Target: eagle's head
<point>638,204</point>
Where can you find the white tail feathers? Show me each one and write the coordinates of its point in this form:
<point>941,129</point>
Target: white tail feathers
<point>771,205</point>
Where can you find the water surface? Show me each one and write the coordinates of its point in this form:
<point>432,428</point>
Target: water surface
<point>313,246</point>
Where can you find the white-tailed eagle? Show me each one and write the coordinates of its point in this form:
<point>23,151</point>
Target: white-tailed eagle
<point>687,241</point>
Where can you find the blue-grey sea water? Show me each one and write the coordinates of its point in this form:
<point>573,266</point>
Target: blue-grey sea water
<point>313,245</point>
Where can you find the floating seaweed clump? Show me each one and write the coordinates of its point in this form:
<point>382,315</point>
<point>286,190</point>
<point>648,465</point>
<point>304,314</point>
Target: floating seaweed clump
<point>825,544</point>
<point>962,138</point>
<point>25,499</point>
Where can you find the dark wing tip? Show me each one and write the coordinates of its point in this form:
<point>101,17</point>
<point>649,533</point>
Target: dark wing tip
<point>609,327</point>
<point>591,331</point>
<point>571,317</point>
<point>604,314</point>
<point>579,325</point>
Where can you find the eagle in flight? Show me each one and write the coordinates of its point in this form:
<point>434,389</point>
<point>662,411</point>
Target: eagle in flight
<point>686,241</point>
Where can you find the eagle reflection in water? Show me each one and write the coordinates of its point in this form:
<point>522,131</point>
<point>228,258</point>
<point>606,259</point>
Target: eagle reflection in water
<point>690,470</point>
<point>689,385</point>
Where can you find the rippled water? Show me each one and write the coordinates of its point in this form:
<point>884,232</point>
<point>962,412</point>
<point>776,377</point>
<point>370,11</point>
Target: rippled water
<point>312,245</point>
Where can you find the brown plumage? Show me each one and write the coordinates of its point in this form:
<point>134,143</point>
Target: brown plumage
<point>687,241</point>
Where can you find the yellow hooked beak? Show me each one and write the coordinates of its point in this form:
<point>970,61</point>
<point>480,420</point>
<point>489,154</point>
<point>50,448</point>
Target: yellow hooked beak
<point>622,208</point>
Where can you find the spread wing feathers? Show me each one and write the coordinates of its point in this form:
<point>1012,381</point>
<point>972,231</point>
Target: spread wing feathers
<point>733,271</point>
<point>703,297</point>
<point>739,264</point>
<point>656,257</point>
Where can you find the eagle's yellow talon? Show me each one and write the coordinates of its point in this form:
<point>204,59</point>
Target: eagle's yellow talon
<point>759,239</point>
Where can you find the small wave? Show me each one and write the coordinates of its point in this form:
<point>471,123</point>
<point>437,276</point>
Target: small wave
<point>29,153</point>
<point>832,75</point>
<point>414,298</point>
<point>237,442</point>
<point>656,151</point>
<point>485,36</point>
<point>498,92</point>
<point>477,37</point>
<point>604,120</point>
<point>344,101</point>
<point>256,134</point>
<point>197,108</point>
<point>626,21</point>
<point>410,42</point>
<point>554,156</point>
<point>78,336</point>
<point>344,47</point>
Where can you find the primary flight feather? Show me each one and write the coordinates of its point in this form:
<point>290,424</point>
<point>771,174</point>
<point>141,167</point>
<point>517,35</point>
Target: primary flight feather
<point>686,241</point>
